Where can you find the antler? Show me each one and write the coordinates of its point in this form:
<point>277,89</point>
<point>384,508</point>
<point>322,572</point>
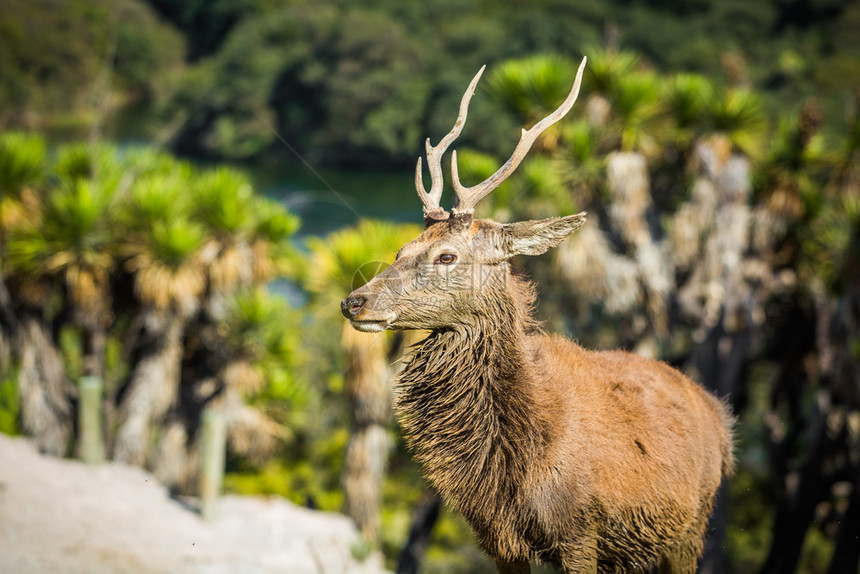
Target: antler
<point>468,197</point>
<point>431,200</point>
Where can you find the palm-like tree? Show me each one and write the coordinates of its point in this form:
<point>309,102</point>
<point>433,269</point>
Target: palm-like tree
<point>67,243</point>
<point>635,106</point>
<point>260,351</point>
<point>737,112</point>
<point>63,249</point>
<point>686,99</point>
<point>793,166</point>
<point>43,386</point>
<point>223,203</point>
<point>272,253</point>
<point>102,222</point>
<point>606,69</point>
<point>246,245</point>
<point>529,89</point>
<point>339,263</point>
<point>581,162</point>
<point>823,232</point>
<point>22,168</point>
<point>247,378</point>
<point>164,255</point>
<point>22,159</point>
<point>77,231</point>
<point>22,162</point>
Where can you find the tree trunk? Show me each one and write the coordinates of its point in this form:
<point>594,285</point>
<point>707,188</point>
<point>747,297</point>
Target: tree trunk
<point>714,559</point>
<point>629,212</point>
<point>846,556</point>
<point>719,360</point>
<point>426,515</point>
<point>367,385</point>
<point>44,389</point>
<point>843,328</point>
<point>176,462</point>
<point>797,509</point>
<point>9,326</point>
<point>95,339</point>
<point>152,388</point>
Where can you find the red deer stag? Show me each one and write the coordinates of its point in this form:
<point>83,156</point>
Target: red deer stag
<point>587,461</point>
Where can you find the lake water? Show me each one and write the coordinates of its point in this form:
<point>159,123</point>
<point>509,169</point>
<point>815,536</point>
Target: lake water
<point>328,199</point>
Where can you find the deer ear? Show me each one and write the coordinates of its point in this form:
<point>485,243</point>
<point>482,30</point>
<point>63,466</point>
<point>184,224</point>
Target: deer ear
<point>537,236</point>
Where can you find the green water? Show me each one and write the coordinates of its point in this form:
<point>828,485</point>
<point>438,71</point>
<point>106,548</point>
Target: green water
<point>327,199</point>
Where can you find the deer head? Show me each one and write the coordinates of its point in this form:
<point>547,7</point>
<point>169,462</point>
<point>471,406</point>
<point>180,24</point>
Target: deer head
<point>457,270</point>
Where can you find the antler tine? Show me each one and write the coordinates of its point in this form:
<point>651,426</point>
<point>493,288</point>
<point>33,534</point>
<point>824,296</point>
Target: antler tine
<point>432,199</point>
<point>468,197</point>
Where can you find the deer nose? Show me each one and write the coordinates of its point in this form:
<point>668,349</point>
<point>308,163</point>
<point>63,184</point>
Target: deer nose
<point>352,306</point>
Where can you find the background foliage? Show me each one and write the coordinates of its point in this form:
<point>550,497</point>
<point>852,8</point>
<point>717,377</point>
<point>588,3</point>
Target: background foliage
<point>361,84</point>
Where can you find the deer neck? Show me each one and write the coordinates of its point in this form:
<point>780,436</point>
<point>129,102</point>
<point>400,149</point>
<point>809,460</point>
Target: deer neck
<point>466,408</point>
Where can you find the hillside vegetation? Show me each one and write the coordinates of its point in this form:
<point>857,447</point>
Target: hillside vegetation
<point>363,84</point>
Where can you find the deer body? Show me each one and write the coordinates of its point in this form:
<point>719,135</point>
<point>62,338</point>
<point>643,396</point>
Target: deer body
<point>588,461</point>
<point>563,455</point>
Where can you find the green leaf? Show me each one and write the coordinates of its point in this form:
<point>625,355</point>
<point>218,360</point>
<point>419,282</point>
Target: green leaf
<point>174,242</point>
<point>22,162</point>
<point>738,113</point>
<point>149,161</point>
<point>530,88</point>
<point>687,98</point>
<point>76,221</point>
<point>274,222</point>
<point>99,163</point>
<point>155,198</point>
<point>223,201</point>
<point>606,68</point>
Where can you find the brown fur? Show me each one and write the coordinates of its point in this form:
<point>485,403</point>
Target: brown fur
<point>588,461</point>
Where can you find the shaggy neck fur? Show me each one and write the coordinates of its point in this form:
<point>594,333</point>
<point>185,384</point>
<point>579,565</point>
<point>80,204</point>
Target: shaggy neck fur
<point>466,406</point>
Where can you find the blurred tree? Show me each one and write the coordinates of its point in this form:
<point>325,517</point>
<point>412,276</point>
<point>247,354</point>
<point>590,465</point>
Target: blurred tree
<point>167,264</point>
<point>22,160</point>
<point>815,459</point>
<point>205,24</point>
<point>233,340</point>
<point>350,83</point>
<point>74,239</point>
<point>242,365</point>
<point>100,247</point>
<point>53,53</point>
<point>530,88</point>
<point>338,264</point>
<point>263,64</point>
<point>43,387</point>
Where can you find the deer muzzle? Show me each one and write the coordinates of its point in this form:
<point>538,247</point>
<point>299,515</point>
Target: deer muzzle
<point>363,314</point>
<point>352,306</point>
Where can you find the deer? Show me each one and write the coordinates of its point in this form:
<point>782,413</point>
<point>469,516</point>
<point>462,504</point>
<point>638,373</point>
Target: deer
<point>587,461</point>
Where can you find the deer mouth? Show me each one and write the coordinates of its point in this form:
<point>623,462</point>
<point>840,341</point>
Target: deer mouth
<point>370,326</point>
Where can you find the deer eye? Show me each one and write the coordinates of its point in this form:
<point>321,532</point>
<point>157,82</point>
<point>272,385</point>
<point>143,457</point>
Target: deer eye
<point>447,258</point>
